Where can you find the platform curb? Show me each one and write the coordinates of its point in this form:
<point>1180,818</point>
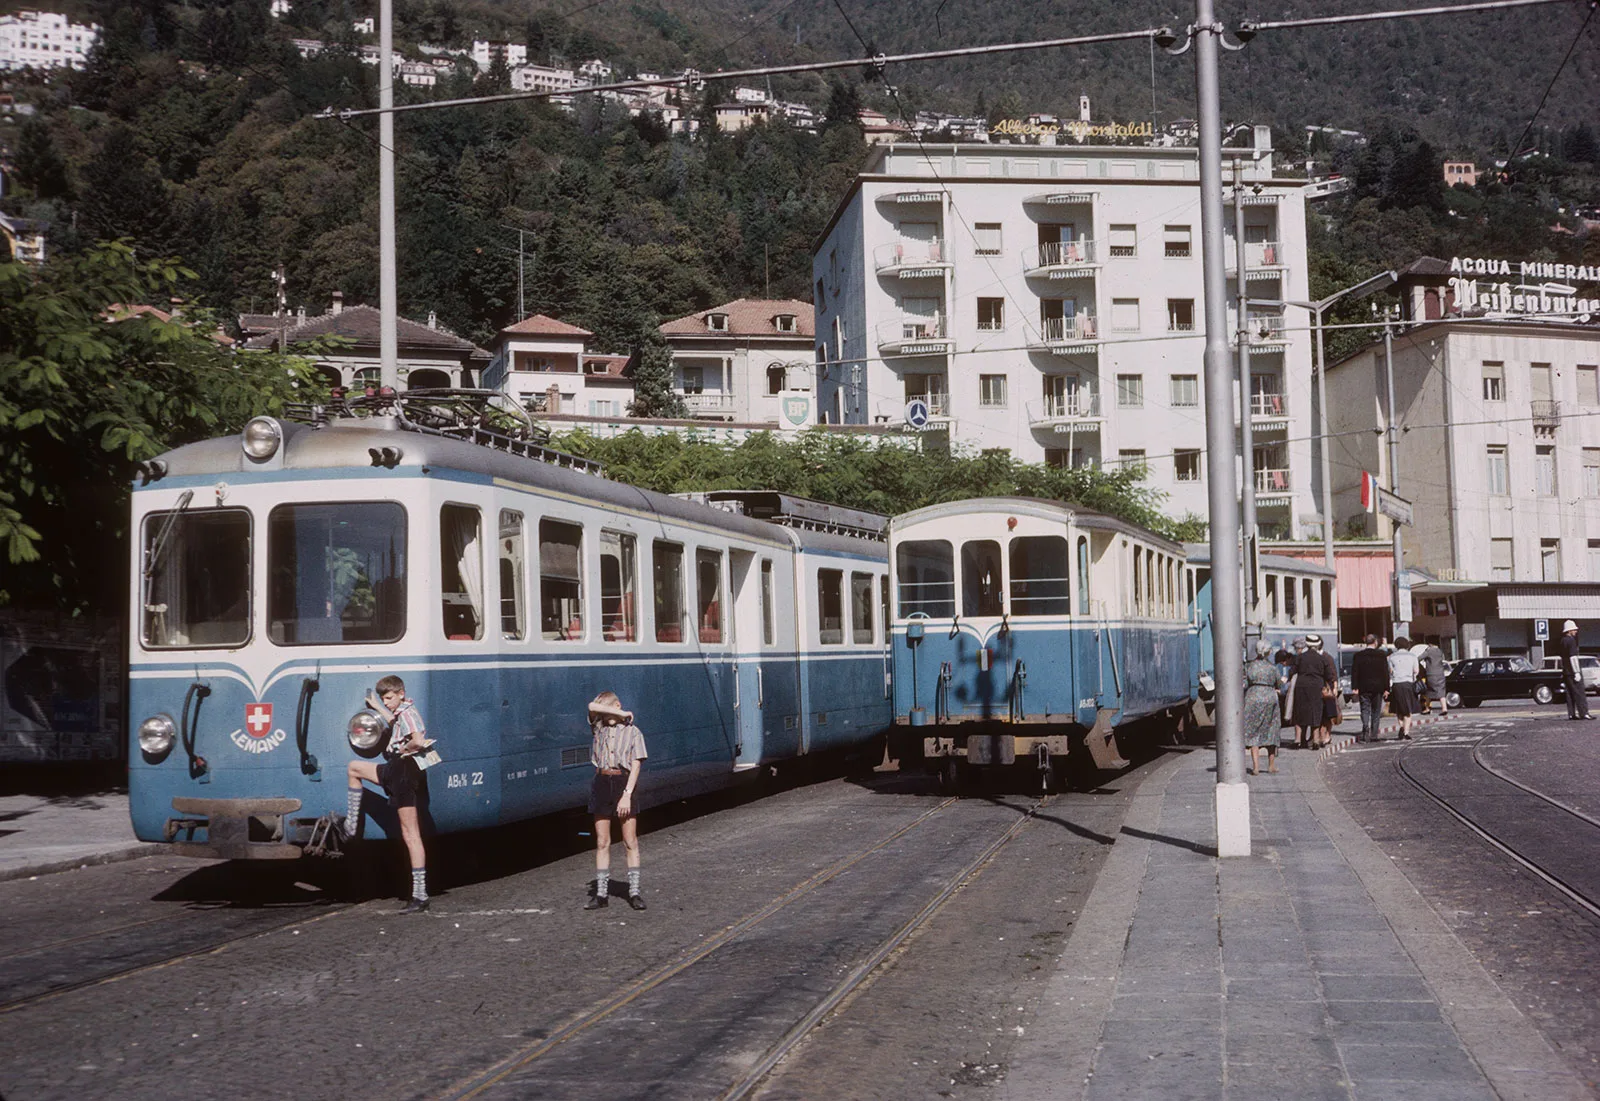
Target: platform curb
<point>67,864</point>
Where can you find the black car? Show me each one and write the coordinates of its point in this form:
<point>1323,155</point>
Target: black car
<point>1477,679</point>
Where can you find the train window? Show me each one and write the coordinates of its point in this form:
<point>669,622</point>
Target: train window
<point>1327,602</point>
<point>619,575</point>
<point>337,573</point>
<point>1272,598</point>
<point>1138,583</point>
<point>883,601</point>
<point>1039,581</point>
<point>830,607</point>
<point>1083,575</point>
<point>560,580</point>
<point>461,571</point>
<point>708,594</point>
<point>980,578</point>
<point>668,577</point>
<point>769,621</point>
<point>927,578</point>
<point>1151,598</point>
<point>1289,604</point>
<point>513,599</point>
<point>861,607</point>
<point>1305,600</point>
<point>1188,595</point>
<point>197,578</point>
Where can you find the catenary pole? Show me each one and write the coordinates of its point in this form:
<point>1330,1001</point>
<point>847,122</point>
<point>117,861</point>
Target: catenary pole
<point>388,296</point>
<point>1227,611</point>
<point>1322,441</point>
<point>1393,435</point>
<point>1247,437</point>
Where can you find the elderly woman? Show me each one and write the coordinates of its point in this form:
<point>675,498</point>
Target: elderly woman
<point>1261,720</point>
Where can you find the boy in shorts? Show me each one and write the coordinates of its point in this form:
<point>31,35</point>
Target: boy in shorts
<point>400,777</point>
<point>616,753</point>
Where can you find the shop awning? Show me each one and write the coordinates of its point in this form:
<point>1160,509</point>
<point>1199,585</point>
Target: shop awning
<point>1548,601</point>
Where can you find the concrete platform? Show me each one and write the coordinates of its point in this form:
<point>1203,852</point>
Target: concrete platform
<point>53,833</point>
<point>1309,969</point>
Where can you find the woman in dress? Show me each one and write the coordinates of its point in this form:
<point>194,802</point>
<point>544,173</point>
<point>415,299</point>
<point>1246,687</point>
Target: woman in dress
<point>1310,674</point>
<point>1261,716</point>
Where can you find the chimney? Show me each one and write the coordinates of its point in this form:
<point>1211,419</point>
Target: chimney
<point>338,303</point>
<point>300,316</point>
<point>552,399</point>
<point>1083,107</point>
<point>433,319</point>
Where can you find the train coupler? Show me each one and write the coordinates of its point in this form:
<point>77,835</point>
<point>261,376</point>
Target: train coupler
<point>327,837</point>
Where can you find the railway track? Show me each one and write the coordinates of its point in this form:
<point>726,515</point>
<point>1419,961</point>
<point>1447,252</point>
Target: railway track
<point>510,1075</point>
<point>1556,842</point>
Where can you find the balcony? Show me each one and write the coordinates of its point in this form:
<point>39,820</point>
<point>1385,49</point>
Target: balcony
<point>1272,483</point>
<point>709,405</point>
<point>1269,410</point>
<point>1075,411</point>
<point>1546,414</point>
<point>913,198</point>
<point>1074,335</point>
<point>1262,259</point>
<point>1266,333</point>
<point>915,336</point>
<point>1061,198</point>
<point>912,259</point>
<point>1062,259</point>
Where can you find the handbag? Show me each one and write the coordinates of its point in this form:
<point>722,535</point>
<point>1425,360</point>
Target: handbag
<point>1329,692</point>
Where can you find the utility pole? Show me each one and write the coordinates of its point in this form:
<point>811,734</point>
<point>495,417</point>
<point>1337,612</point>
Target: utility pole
<point>388,296</point>
<point>1227,610</point>
<point>1247,441</point>
<point>1392,432</point>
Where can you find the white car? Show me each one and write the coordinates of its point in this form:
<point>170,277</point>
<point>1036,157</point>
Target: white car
<point>1588,665</point>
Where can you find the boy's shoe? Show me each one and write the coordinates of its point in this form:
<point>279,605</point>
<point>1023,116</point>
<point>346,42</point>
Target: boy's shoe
<point>636,901</point>
<point>597,902</point>
<point>416,906</point>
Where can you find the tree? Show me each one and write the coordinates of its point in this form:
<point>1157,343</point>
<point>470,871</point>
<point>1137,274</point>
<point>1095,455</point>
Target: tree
<point>39,166</point>
<point>85,394</point>
<point>653,392</point>
<point>844,105</point>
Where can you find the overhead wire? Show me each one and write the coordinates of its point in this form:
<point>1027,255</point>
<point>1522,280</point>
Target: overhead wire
<point>1511,154</point>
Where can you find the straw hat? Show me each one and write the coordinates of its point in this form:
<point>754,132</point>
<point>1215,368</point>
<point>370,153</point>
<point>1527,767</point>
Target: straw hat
<point>607,703</point>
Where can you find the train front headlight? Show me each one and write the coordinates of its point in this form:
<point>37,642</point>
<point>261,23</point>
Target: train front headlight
<point>260,438</point>
<point>156,735</point>
<point>365,731</point>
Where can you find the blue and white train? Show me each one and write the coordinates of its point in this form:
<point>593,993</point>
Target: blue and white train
<point>279,573</point>
<point>1024,629</point>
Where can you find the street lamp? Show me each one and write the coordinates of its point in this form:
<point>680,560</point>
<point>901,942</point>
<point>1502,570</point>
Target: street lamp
<point>1318,309</point>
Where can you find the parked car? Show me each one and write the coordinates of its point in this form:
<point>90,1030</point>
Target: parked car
<point>1502,678</point>
<point>1588,665</point>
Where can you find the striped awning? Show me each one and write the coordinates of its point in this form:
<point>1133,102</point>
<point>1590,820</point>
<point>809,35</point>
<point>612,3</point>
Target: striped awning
<point>1553,601</point>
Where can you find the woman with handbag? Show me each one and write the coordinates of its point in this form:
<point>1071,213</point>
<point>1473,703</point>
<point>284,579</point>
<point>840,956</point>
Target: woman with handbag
<point>1312,674</point>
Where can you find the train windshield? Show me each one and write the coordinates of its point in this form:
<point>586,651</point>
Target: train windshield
<point>925,569</point>
<point>980,578</point>
<point>196,578</point>
<point>1039,576</point>
<point>337,573</point>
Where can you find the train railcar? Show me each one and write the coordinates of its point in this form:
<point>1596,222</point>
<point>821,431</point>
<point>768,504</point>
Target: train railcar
<point>278,574</point>
<point>1295,597</point>
<point>1024,626</point>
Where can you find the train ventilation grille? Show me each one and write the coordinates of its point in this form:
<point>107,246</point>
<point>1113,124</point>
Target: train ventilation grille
<point>575,756</point>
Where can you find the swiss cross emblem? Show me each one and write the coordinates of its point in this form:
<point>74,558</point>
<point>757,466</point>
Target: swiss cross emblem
<point>258,719</point>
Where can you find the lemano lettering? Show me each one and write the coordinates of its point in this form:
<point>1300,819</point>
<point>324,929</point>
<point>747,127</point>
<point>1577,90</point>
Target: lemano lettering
<point>265,744</point>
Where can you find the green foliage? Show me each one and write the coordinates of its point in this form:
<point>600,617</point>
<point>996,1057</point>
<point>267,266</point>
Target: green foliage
<point>653,392</point>
<point>84,397</point>
<point>847,470</point>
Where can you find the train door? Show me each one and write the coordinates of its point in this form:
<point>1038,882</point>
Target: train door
<point>750,609</point>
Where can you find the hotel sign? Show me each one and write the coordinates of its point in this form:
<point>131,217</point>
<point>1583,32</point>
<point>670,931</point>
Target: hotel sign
<point>1541,289</point>
<point>1077,131</point>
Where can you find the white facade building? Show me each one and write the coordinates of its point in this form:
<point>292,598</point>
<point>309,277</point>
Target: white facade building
<point>1049,300</point>
<point>545,364</point>
<point>542,78</point>
<point>44,40</point>
<point>484,53</point>
<point>747,361</point>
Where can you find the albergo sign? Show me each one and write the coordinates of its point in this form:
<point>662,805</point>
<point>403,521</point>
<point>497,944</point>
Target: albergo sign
<point>1536,291</point>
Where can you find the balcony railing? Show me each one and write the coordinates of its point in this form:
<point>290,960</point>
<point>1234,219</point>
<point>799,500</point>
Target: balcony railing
<point>1546,414</point>
<point>1060,259</point>
<point>915,335</point>
<point>1267,406</point>
<point>1079,331</point>
<point>1263,330</point>
<point>907,258</point>
<point>1079,409</point>
<point>1272,483</point>
<point>708,403</point>
<point>1262,259</point>
<point>938,403</point>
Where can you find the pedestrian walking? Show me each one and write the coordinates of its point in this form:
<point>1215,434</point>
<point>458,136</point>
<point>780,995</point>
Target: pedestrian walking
<point>1290,660</point>
<point>1331,712</point>
<point>1369,681</point>
<point>1314,677</point>
<point>1433,674</point>
<point>1261,716</point>
<point>1403,685</point>
<point>408,751</point>
<point>1572,673</point>
<point>617,751</point>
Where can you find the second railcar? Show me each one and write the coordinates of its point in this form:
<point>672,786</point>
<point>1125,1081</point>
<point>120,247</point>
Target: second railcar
<point>1026,629</point>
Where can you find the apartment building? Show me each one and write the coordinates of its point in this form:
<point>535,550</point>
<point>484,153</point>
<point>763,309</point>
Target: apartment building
<point>547,366</point>
<point>44,40</point>
<point>1497,395</point>
<point>1048,300</point>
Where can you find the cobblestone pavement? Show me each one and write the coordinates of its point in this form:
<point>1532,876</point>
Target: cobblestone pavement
<point>1542,949</point>
<point>336,1002</point>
